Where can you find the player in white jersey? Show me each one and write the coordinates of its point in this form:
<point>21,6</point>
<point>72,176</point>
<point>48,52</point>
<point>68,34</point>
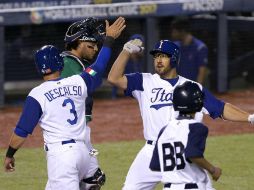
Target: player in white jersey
<point>179,150</point>
<point>58,106</point>
<point>154,95</point>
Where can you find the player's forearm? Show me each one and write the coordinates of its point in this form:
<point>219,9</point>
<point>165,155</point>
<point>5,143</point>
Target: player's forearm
<point>103,58</point>
<point>233,113</point>
<point>116,74</point>
<point>203,163</point>
<point>15,143</point>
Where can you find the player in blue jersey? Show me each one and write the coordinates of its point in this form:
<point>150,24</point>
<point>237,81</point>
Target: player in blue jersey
<point>194,52</point>
<point>179,150</point>
<point>58,106</point>
<point>154,93</point>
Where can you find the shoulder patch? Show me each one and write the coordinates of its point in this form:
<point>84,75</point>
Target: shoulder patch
<point>90,71</point>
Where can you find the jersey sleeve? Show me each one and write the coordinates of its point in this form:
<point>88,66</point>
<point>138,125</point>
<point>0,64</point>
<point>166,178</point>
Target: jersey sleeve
<point>93,74</point>
<point>135,82</point>
<point>196,140</point>
<point>29,118</point>
<point>213,105</point>
<point>92,82</point>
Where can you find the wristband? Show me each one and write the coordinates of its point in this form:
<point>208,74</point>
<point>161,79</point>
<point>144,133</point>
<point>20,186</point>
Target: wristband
<point>10,152</point>
<point>109,40</point>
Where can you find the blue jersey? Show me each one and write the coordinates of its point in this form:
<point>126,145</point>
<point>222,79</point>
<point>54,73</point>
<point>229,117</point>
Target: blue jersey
<point>155,95</point>
<point>192,58</point>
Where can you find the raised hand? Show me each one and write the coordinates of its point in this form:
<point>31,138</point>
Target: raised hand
<point>116,28</point>
<point>134,46</point>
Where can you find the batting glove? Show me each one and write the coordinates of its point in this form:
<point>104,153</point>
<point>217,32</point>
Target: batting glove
<point>251,118</point>
<point>134,46</point>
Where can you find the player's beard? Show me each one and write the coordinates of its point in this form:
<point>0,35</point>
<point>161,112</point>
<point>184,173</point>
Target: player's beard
<point>89,56</point>
<point>164,72</point>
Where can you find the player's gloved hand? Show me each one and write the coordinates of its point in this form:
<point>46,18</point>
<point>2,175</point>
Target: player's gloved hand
<point>251,119</point>
<point>134,46</point>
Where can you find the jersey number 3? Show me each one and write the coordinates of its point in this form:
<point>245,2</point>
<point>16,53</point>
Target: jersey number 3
<point>173,156</point>
<point>72,111</point>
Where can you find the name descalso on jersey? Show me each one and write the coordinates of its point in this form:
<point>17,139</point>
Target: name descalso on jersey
<point>62,103</point>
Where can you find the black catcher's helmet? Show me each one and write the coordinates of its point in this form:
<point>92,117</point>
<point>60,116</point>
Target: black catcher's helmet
<point>86,30</point>
<point>188,98</point>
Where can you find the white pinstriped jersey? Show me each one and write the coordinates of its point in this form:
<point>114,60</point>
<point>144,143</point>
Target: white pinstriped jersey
<point>155,103</point>
<point>178,141</point>
<point>63,99</point>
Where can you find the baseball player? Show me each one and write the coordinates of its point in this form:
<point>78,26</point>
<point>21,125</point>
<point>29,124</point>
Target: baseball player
<point>58,106</point>
<point>179,151</point>
<point>194,52</point>
<point>82,45</point>
<point>154,95</point>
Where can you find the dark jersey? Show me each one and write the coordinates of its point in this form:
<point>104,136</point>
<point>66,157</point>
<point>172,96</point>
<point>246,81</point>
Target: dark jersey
<point>72,66</point>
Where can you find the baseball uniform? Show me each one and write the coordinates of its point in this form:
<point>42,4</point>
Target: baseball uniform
<point>154,96</point>
<point>179,140</point>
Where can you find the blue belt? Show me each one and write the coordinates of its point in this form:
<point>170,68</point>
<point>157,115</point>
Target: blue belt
<point>68,141</point>
<point>150,142</point>
<point>187,185</point>
<point>63,142</point>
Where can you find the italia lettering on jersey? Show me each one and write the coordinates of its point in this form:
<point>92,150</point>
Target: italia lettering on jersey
<point>160,98</point>
<point>155,100</point>
<point>63,91</point>
<point>177,142</point>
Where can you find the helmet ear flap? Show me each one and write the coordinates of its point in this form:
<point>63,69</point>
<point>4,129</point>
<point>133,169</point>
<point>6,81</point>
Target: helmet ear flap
<point>173,61</point>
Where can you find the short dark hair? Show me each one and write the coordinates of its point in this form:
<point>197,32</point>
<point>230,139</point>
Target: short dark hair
<point>72,45</point>
<point>181,23</point>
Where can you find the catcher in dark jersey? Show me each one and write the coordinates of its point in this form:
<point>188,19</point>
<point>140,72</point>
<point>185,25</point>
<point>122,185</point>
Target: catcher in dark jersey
<point>82,41</point>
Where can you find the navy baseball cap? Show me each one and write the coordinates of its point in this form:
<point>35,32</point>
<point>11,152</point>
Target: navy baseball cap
<point>167,47</point>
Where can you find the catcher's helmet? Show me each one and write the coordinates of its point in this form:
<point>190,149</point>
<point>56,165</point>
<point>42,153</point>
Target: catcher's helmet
<point>169,48</point>
<point>86,30</point>
<point>48,60</point>
<point>188,98</point>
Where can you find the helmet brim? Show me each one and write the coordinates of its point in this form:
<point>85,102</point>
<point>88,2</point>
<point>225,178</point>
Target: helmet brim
<point>153,52</point>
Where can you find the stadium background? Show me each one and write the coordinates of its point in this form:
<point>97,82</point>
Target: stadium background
<point>225,26</point>
<point>24,29</point>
